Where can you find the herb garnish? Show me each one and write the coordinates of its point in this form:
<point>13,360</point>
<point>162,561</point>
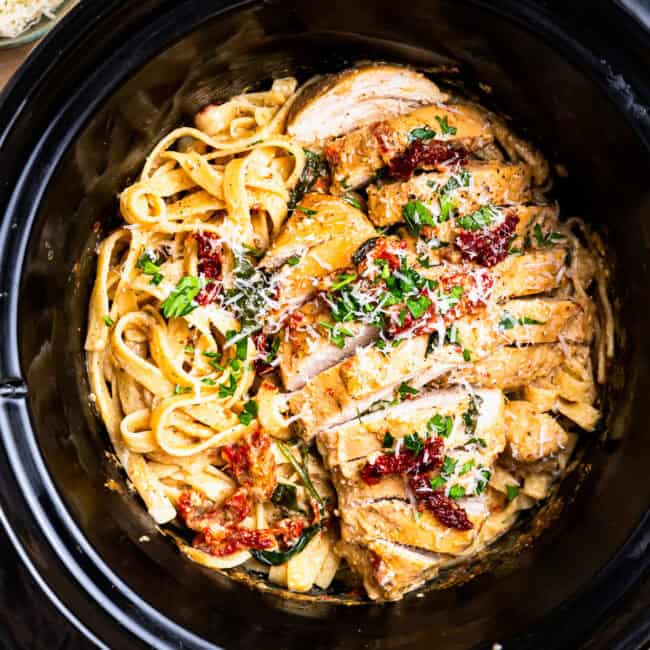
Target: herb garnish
<point>150,266</point>
<point>457,491</point>
<point>422,133</point>
<point>275,558</point>
<point>249,413</point>
<point>180,301</point>
<point>441,424</point>
<point>404,390</point>
<point>352,201</point>
<point>414,443</point>
<point>546,240</point>
<point>445,128</point>
<point>388,441</point>
<point>416,215</point>
<point>512,491</point>
<point>481,218</point>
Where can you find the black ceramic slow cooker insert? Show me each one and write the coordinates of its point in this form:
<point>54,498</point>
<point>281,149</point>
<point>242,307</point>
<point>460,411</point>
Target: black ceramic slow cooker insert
<point>75,126</point>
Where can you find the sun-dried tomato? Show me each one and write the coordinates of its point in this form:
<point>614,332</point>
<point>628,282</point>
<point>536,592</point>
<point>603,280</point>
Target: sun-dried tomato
<point>290,529</point>
<point>487,247</point>
<point>199,512</point>
<point>210,254</point>
<point>210,266</point>
<point>385,250</point>
<point>235,539</point>
<point>252,463</point>
<point>426,154</point>
<point>443,508</point>
<point>428,459</point>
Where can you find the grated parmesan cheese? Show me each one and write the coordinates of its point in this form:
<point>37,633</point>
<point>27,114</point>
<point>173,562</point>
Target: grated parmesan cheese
<point>16,16</point>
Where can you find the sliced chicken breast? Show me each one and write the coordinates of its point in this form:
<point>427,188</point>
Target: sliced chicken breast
<point>332,105</point>
<point>308,347</point>
<point>489,182</point>
<point>364,436</point>
<point>357,157</point>
<point>510,368</point>
<point>532,435</point>
<point>322,235</point>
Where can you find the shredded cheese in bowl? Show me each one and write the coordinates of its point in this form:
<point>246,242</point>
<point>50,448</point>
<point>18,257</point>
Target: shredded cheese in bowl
<point>16,16</point>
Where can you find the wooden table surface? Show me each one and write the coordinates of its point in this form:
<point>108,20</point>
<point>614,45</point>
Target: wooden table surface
<point>10,60</point>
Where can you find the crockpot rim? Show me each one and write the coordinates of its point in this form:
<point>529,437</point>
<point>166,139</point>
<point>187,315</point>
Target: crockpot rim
<point>14,234</point>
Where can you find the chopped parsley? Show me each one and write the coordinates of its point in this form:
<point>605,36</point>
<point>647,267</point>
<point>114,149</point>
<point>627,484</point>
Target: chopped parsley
<point>483,480</point>
<point>422,133</point>
<point>470,417</point>
<point>477,441</point>
<point>150,266</point>
<point>249,413</point>
<point>512,492</point>
<point>530,321</point>
<point>457,491</point>
<point>437,482</point>
<point>445,127</point>
<point>404,390</point>
<point>481,218</point>
<point>414,443</point>
<point>388,441</point>
<point>180,301</point>
<point>466,467</point>
<point>337,333</point>
<point>214,357</point>
<point>418,306</point>
<point>445,200</point>
<point>507,322</point>
<point>108,321</point>
<point>447,301</point>
<point>228,390</point>
<point>208,381</point>
<point>416,215</point>
<point>241,346</point>
<point>294,260</point>
<point>179,390</point>
<point>441,425</point>
<point>275,346</point>
<point>343,280</point>
<point>546,240</point>
<point>467,355</point>
<point>448,467</point>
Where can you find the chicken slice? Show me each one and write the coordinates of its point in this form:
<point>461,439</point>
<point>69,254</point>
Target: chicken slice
<point>531,435</point>
<point>389,569</point>
<point>357,157</point>
<point>341,392</point>
<point>321,235</point>
<point>510,368</point>
<point>395,521</point>
<point>335,104</point>
<point>489,182</point>
<point>364,436</point>
<point>308,349</point>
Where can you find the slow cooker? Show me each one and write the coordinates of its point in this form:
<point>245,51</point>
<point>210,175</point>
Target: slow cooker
<point>75,125</point>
